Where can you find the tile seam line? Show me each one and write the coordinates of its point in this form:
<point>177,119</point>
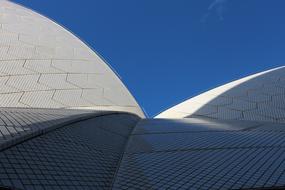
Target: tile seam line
<point>205,131</point>
<point>123,154</point>
<point>206,149</point>
<point>263,188</point>
<point>80,118</point>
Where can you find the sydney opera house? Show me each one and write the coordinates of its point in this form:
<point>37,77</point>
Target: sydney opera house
<point>68,122</point>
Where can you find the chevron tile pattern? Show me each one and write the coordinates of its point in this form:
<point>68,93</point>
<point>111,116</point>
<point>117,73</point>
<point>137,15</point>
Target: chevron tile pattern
<point>42,65</point>
<point>259,97</point>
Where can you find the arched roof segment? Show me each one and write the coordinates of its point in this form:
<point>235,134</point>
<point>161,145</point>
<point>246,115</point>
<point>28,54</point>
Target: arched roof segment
<point>42,65</point>
<point>259,97</point>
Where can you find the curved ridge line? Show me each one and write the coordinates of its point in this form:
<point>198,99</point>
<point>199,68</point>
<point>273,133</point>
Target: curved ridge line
<point>34,134</point>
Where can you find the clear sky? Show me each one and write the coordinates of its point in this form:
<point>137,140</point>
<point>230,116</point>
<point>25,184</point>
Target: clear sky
<point>169,50</point>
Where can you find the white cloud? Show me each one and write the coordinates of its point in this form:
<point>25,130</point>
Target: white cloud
<point>218,8</point>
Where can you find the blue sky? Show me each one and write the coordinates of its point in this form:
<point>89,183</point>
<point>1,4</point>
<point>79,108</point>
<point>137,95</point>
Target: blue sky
<point>167,51</point>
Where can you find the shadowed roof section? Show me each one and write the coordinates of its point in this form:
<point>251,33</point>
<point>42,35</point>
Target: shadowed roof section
<point>42,65</point>
<point>84,154</point>
<point>259,97</point>
<point>203,153</point>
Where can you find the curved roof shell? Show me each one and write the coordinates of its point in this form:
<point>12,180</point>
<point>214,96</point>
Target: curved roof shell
<point>259,97</point>
<point>42,65</point>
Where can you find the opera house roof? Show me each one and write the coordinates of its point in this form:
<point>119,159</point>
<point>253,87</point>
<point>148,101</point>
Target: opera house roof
<point>67,121</point>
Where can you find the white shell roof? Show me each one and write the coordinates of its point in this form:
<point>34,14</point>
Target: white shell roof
<point>259,97</point>
<point>42,65</point>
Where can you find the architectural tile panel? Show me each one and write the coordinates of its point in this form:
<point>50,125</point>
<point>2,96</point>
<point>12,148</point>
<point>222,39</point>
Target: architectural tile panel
<point>77,156</point>
<point>38,55</point>
<point>257,98</point>
<point>198,153</point>
<point>44,99</point>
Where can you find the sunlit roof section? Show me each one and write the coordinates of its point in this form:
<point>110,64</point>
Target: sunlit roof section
<point>42,65</point>
<point>259,97</point>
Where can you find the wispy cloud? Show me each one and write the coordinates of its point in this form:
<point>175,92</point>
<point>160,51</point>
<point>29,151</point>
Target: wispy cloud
<point>218,8</point>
